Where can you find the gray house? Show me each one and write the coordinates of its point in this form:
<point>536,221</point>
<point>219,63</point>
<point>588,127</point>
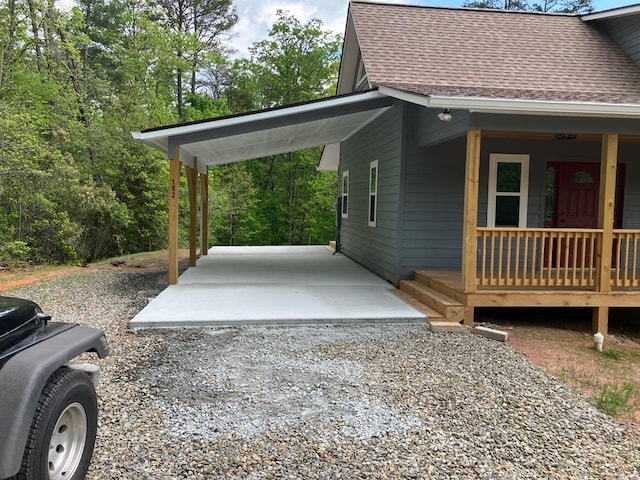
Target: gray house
<point>486,157</point>
<point>507,170</point>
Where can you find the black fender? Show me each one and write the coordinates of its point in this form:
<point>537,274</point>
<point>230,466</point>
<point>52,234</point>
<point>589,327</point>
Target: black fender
<point>22,379</point>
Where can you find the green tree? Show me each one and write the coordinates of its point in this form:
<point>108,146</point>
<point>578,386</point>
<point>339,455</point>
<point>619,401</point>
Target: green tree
<point>198,27</point>
<point>298,62</point>
<point>232,203</point>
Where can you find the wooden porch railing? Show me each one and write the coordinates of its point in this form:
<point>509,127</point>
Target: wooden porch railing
<point>626,255</point>
<point>541,257</point>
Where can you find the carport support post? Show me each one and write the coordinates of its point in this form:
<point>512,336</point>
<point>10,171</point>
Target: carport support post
<point>192,184</point>
<point>204,213</point>
<point>470,219</point>
<point>174,189</point>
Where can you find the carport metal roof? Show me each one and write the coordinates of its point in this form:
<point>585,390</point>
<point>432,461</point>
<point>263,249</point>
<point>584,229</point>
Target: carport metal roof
<point>234,138</point>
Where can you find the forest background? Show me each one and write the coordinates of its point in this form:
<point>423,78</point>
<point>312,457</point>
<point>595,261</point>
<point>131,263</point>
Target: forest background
<point>74,185</point>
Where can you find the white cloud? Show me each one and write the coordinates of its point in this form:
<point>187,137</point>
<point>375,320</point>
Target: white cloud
<point>257,16</point>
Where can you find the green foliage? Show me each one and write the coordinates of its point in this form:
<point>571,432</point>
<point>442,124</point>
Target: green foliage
<point>612,353</point>
<point>232,203</point>
<point>198,107</point>
<point>75,186</point>
<point>15,253</point>
<point>612,400</point>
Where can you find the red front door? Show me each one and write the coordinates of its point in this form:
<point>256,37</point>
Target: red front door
<point>578,185</point>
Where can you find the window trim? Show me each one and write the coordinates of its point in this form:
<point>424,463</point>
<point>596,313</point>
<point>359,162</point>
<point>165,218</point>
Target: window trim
<point>523,194</point>
<point>373,195</point>
<point>344,212</point>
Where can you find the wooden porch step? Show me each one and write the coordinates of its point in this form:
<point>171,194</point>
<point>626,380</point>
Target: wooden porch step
<point>447,282</point>
<point>430,313</point>
<point>450,308</point>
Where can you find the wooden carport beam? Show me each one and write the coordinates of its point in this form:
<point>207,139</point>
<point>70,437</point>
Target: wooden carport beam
<point>470,219</point>
<point>204,213</point>
<point>606,206</point>
<point>174,190</point>
<point>192,185</point>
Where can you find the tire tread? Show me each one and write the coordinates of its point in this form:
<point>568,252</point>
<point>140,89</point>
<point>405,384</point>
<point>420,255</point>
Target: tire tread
<point>46,403</point>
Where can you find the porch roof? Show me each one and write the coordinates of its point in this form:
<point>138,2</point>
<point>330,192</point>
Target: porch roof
<point>234,138</point>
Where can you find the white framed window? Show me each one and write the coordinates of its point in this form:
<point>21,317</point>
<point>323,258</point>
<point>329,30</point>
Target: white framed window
<point>345,195</point>
<point>373,193</point>
<point>508,190</point>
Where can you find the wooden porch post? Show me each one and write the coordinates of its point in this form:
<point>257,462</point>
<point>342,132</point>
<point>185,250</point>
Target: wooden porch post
<point>204,213</point>
<point>174,189</point>
<point>606,205</point>
<point>192,184</point>
<point>470,219</point>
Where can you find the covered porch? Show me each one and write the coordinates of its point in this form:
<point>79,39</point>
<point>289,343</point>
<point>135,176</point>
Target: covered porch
<point>551,266</point>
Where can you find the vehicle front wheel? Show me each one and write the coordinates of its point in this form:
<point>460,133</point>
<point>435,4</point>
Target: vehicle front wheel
<point>63,430</point>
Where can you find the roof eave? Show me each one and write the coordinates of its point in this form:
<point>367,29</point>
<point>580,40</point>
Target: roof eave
<point>174,130</point>
<point>517,106</point>
<point>612,13</point>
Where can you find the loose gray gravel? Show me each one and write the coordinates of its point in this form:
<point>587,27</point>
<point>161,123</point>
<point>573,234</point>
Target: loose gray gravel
<point>343,402</point>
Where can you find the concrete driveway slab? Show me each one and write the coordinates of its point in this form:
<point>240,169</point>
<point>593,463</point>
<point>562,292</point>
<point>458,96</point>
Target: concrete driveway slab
<point>275,286</point>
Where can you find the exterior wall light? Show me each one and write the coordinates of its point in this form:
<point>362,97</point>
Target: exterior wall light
<point>445,115</point>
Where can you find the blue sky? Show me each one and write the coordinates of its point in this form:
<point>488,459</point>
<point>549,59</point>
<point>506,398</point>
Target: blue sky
<point>256,16</point>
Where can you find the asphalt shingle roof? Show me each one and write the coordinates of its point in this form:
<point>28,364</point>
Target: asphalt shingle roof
<point>493,54</point>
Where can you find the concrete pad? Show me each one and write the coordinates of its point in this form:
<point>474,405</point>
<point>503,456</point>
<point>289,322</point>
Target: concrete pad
<point>275,286</point>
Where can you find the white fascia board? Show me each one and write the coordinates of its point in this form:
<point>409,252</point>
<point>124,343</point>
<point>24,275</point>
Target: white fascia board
<point>256,116</point>
<point>519,107</point>
<point>414,98</point>
<point>612,13</point>
<point>538,107</point>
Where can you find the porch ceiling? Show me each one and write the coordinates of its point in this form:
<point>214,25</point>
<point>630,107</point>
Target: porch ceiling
<point>268,132</point>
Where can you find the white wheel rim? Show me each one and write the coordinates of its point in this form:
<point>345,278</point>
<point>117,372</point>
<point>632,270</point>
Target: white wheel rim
<point>67,442</point>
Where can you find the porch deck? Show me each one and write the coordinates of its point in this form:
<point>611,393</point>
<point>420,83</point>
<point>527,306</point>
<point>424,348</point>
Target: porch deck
<point>449,282</point>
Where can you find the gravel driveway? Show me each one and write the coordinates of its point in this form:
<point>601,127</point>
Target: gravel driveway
<point>383,401</point>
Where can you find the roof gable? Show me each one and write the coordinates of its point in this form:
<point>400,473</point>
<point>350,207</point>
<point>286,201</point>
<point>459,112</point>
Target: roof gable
<point>492,53</point>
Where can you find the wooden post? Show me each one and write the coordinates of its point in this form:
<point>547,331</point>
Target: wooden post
<point>470,219</point>
<point>606,206</point>
<point>192,184</point>
<point>174,190</point>
<point>204,213</point>
<point>600,320</point>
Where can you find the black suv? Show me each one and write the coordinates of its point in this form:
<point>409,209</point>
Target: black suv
<point>48,407</point>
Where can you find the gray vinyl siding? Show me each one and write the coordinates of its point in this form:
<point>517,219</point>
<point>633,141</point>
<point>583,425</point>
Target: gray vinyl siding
<point>374,247</point>
<point>625,31</point>
<point>433,203</point>
<point>431,130</point>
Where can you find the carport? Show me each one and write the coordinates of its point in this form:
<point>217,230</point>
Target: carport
<point>224,140</point>
<point>265,285</point>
